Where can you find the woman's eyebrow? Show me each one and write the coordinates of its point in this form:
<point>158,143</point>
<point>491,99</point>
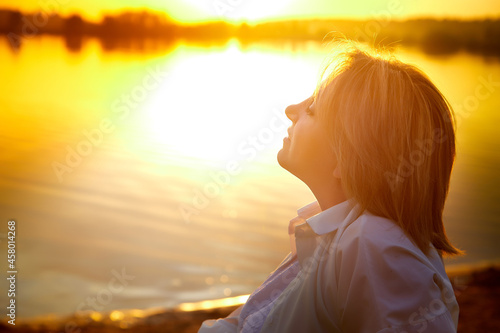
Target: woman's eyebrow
<point>312,102</point>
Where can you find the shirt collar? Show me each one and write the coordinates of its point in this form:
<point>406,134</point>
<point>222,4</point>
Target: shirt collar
<point>329,219</point>
<point>309,211</point>
<point>309,233</point>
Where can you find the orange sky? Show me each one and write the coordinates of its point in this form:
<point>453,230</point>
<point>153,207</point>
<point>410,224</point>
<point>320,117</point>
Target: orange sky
<point>255,10</point>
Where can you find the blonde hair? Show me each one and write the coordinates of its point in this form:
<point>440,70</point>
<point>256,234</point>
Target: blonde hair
<point>392,132</point>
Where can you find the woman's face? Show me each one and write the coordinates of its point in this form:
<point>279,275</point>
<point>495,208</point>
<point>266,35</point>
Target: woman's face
<point>306,152</point>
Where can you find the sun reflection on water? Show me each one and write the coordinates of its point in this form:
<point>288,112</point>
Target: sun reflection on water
<point>208,105</point>
<point>212,304</point>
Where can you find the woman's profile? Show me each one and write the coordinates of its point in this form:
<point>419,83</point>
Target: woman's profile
<point>375,144</point>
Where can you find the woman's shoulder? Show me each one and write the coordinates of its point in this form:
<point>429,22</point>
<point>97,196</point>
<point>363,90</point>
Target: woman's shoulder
<point>370,235</point>
<point>377,266</point>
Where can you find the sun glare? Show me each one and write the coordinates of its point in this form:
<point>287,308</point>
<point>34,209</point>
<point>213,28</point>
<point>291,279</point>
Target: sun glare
<point>211,106</point>
<point>200,97</point>
<point>250,11</point>
<point>213,304</point>
<point>255,11</point>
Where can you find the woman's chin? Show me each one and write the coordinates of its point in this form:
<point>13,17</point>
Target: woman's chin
<point>282,158</point>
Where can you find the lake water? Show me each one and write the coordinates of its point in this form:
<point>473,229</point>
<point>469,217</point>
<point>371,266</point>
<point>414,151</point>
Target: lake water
<point>160,166</point>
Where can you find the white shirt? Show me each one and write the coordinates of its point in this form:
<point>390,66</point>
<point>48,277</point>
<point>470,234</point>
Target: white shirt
<point>360,275</point>
<point>250,317</point>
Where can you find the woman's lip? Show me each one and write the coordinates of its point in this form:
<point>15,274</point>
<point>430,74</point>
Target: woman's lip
<point>286,139</point>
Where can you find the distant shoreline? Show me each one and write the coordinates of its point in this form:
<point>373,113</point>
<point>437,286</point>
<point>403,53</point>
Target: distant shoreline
<point>470,268</point>
<point>445,36</point>
<point>477,291</point>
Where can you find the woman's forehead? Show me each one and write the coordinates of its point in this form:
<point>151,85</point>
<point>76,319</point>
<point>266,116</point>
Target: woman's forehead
<point>325,89</point>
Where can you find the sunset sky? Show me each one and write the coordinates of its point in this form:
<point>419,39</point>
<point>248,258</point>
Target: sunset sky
<point>257,10</point>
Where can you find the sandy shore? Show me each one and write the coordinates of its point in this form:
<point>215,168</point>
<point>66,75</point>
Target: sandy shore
<point>478,294</point>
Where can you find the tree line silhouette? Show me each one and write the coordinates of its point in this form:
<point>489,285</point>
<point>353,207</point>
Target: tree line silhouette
<point>433,36</point>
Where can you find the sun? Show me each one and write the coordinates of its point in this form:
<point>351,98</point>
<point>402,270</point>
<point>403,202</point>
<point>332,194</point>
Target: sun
<point>255,10</point>
<point>241,10</point>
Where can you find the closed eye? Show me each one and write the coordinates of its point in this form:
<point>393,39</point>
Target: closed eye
<point>310,108</point>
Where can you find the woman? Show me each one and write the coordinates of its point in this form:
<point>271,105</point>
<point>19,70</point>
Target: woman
<point>376,145</point>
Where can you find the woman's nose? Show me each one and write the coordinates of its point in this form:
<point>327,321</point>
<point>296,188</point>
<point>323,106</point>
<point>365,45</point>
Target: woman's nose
<point>291,112</point>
